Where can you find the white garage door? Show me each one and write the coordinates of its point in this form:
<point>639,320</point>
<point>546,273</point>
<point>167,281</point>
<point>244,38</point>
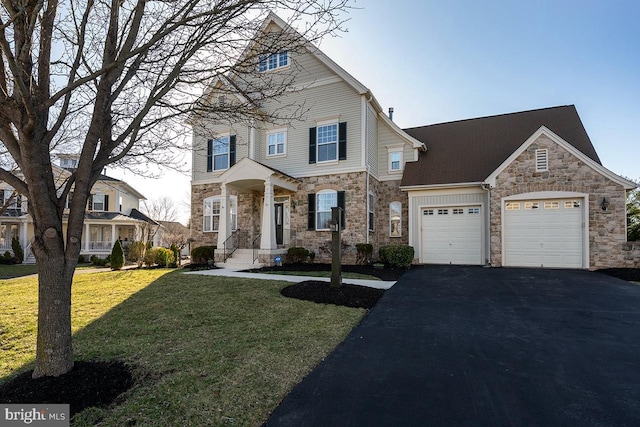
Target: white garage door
<point>544,233</point>
<point>451,235</point>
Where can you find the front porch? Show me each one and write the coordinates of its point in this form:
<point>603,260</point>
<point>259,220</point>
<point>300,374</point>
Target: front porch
<point>252,215</point>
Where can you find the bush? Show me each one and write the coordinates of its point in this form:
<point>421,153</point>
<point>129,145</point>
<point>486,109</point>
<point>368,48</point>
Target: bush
<point>137,250</point>
<point>364,252</point>
<point>164,257</point>
<point>18,253</point>
<point>82,259</point>
<point>202,254</point>
<point>99,262</point>
<point>150,257</point>
<point>297,254</point>
<point>7,258</point>
<point>176,256</point>
<point>117,256</point>
<point>396,255</point>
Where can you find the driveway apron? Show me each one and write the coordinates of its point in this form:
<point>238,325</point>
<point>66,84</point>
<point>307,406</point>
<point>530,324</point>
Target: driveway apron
<point>457,345</point>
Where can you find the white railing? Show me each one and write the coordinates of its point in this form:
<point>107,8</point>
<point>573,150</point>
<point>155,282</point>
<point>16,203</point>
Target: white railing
<point>100,246</point>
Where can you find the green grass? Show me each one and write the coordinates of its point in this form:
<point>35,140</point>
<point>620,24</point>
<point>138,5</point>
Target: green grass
<point>17,270</point>
<point>345,275</point>
<point>205,350</point>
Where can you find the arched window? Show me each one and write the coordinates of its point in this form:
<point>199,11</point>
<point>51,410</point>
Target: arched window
<point>395,219</point>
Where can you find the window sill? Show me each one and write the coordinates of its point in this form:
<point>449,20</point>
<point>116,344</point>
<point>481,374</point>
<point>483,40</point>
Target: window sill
<point>275,156</point>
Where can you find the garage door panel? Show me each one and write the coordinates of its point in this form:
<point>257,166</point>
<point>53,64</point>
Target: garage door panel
<point>451,235</point>
<point>549,236</point>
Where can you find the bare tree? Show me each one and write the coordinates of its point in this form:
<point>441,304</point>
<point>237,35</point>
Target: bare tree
<point>175,234</point>
<point>112,80</point>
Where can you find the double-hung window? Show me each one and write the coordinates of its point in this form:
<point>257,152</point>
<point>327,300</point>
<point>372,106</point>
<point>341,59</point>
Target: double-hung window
<point>212,210</point>
<point>320,205</point>
<point>273,61</point>
<point>277,142</point>
<point>99,202</point>
<point>395,161</point>
<point>221,153</point>
<point>327,142</point>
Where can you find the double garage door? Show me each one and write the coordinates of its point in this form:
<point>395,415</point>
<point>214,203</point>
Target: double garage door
<point>544,233</point>
<point>536,233</point>
<point>451,235</point>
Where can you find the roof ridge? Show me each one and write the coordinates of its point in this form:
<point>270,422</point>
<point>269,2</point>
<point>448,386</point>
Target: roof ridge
<point>491,116</point>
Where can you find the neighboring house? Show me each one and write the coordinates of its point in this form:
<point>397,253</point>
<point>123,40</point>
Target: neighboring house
<point>522,189</point>
<point>173,232</point>
<point>112,213</point>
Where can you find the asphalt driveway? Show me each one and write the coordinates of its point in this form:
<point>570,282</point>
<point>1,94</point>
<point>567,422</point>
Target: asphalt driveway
<point>450,346</point>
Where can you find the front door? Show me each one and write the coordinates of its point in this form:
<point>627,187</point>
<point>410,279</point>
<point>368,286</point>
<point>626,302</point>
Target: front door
<point>279,223</point>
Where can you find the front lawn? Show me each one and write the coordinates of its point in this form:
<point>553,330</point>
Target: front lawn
<point>204,350</point>
<point>17,270</point>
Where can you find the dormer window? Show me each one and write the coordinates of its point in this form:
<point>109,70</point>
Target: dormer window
<point>99,202</point>
<point>273,61</point>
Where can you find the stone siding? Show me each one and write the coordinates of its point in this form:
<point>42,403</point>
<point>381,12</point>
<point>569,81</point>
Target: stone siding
<point>566,173</point>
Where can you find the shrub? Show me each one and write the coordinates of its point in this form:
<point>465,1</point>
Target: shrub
<point>164,257</point>
<point>150,257</point>
<point>7,258</point>
<point>82,259</point>
<point>176,256</point>
<point>396,255</point>
<point>137,250</point>
<point>99,262</point>
<point>364,252</point>
<point>117,256</point>
<point>297,254</point>
<point>202,254</point>
<point>18,253</point>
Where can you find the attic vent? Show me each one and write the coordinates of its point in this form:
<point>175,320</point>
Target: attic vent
<point>542,160</point>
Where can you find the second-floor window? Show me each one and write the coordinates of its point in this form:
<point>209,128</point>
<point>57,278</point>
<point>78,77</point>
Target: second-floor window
<point>328,142</point>
<point>273,61</point>
<point>99,202</point>
<point>10,200</point>
<point>277,142</point>
<point>221,153</point>
<point>395,161</point>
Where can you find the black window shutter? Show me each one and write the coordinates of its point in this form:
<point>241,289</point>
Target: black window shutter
<point>341,205</point>
<point>311,218</point>
<point>91,202</point>
<point>312,145</point>
<point>209,155</point>
<point>19,201</point>
<point>106,203</point>
<point>232,150</point>
<point>342,141</point>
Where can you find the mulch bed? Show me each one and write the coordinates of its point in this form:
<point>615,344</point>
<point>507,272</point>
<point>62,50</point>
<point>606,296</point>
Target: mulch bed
<point>87,384</point>
<point>322,293</point>
<point>386,273</point>
<point>629,274</point>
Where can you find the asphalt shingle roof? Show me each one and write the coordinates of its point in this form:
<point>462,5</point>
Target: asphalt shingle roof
<point>470,150</point>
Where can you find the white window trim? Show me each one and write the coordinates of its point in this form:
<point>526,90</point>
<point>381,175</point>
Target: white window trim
<point>337,142</point>
<point>278,66</point>
<point>318,211</point>
<point>391,149</point>
<point>234,216</point>
<point>93,203</point>
<point>276,132</point>
<point>391,220</point>
<point>213,152</point>
<point>542,160</point>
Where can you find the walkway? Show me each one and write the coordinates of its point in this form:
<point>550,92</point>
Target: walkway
<point>378,284</point>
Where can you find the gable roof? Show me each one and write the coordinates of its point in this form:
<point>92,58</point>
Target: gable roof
<point>468,151</point>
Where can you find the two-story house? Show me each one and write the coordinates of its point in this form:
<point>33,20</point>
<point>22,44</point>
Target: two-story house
<point>112,213</point>
<point>523,189</point>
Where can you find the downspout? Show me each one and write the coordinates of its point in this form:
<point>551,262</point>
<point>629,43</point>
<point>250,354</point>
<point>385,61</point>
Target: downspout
<point>487,187</point>
<point>367,198</point>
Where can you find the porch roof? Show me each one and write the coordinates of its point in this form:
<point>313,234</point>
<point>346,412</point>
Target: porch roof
<point>250,175</point>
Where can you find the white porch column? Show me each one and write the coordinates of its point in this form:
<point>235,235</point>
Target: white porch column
<point>224,227</point>
<point>113,234</point>
<point>268,239</point>
<point>24,237</point>
<point>86,237</point>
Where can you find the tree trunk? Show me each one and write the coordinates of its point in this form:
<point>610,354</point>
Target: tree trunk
<point>54,350</point>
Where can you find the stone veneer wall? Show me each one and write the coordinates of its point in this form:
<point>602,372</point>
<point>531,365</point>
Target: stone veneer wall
<point>607,234</point>
<point>250,207</point>
<point>387,192</point>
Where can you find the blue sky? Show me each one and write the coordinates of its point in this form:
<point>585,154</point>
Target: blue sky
<point>439,61</point>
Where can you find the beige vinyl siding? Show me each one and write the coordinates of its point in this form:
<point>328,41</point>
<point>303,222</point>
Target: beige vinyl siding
<point>372,140</point>
<point>386,137</point>
<point>199,151</point>
<point>328,101</point>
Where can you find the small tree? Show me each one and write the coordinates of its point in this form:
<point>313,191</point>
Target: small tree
<point>137,250</point>
<point>117,256</point>
<point>18,253</point>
